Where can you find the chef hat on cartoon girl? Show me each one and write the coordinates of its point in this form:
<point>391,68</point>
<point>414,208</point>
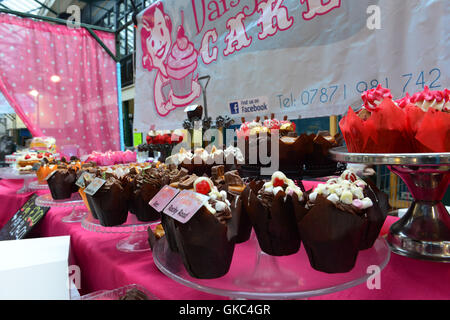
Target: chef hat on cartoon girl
<point>148,23</point>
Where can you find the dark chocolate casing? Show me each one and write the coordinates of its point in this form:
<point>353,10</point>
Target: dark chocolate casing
<point>168,224</point>
<point>331,237</point>
<point>375,217</point>
<point>204,245</point>
<point>140,202</point>
<point>61,184</point>
<point>275,226</point>
<point>110,205</point>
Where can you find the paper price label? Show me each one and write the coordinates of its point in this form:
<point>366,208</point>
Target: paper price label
<point>185,205</point>
<point>80,181</point>
<point>163,197</point>
<point>94,186</point>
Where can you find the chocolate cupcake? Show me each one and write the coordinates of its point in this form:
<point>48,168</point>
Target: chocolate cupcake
<point>205,241</point>
<point>183,181</point>
<point>337,225</point>
<point>272,213</point>
<point>146,185</point>
<point>110,203</point>
<point>322,142</point>
<point>293,151</point>
<point>236,192</point>
<point>376,215</point>
<point>62,184</point>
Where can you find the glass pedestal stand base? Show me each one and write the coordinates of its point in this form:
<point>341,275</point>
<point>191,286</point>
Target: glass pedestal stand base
<point>75,202</point>
<point>35,185</point>
<point>255,275</point>
<point>137,241</point>
<point>12,174</point>
<point>424,231</point>
<point>267,275</point>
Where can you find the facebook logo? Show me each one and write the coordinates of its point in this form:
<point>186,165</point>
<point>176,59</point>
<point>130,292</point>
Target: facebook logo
<point>234,107</point>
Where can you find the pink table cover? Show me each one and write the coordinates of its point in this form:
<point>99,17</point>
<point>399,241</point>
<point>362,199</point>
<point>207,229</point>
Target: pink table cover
<point>104,267</point>
<point>10,201</point>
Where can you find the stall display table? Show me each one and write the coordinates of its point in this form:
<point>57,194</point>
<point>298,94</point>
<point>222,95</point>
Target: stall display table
<point>12,174</point>
<point>103,267</point>
<point>10,200</point>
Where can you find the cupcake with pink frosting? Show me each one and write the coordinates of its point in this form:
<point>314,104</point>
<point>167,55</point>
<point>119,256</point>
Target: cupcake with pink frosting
<point>181,65</point>
<point>428,115</point>
<point>380,126</point>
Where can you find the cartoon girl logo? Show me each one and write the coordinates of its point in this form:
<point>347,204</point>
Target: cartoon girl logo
<point>174,84</point>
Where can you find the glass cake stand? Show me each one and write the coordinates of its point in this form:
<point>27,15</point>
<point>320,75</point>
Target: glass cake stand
<point>136,242</point>
<point>75,202</point>
<point>256,275</point>
<point>10,173</point>
<point>35,185</point>
<point>424,231</point>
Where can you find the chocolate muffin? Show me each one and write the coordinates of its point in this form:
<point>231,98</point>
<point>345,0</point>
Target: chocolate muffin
<point>339,223</point>
<point>146,185</point>
<point>236,192</point>
<point>205,241</point>
<point>110,203</point>
<point>273,216</point>
<point>62,184</point>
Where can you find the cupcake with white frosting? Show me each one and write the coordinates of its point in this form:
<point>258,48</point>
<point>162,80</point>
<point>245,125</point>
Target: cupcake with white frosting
<point>273,210</point>
<point>206,241</point>
<point>343,218</point>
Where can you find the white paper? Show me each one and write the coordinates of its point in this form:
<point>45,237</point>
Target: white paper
<point>35,269</point>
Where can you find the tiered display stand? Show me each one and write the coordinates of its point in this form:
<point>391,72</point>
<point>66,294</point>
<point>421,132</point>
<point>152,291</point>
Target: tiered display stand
<point>35,185</point>
<point>75,202</point>
<point>424,231</point>
<point>256,275</point>
<point>12,174</point>
<point>137,230</point>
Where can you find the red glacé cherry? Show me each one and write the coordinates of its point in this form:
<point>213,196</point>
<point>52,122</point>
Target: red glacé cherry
<point>277,182</point>
<point>27,157</point>
<point>351,177</point>
<point>203,187</point>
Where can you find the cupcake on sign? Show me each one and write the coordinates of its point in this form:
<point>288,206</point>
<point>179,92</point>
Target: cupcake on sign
<point>181,64</point>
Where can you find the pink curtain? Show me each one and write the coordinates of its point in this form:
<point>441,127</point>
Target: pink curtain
<point>61,83</point>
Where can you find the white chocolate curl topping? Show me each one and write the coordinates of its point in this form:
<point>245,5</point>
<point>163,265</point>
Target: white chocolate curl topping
<point>277,182</point>
<point>347,189</point>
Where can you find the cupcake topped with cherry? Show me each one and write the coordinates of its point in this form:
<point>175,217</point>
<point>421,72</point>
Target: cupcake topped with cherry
<point>218,205</point>
<point>280,183</point>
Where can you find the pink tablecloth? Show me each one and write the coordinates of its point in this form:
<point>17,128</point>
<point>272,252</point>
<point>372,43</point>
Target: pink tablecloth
<point>10,201</point>
<point>104,267</point>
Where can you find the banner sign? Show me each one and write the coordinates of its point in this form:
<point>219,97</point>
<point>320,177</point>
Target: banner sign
<point>301,58</point>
